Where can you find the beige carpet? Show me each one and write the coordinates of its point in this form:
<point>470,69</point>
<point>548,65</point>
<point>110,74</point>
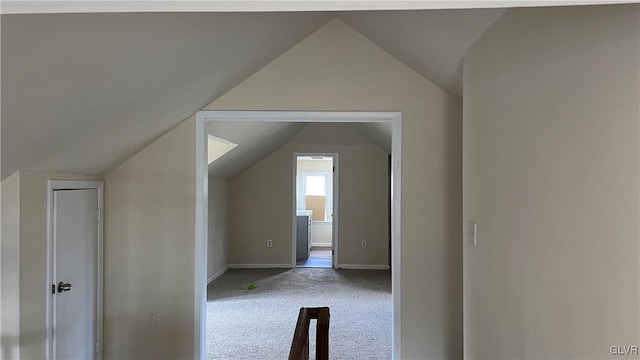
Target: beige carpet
<point>259,324</point>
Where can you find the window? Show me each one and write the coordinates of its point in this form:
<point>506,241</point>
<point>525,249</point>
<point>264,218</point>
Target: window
<point>316,193</point>
<point>315,185</point>
<point>216,147</point>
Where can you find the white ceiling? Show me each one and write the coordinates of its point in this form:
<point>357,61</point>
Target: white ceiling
<point>93,6</point>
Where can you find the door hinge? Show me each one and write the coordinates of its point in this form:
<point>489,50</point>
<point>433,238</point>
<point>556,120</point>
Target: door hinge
<point>97,346</point>
<point>98,215</point>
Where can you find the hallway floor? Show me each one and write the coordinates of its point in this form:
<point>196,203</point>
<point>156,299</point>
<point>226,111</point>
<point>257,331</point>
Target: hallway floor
<point>317,259</point>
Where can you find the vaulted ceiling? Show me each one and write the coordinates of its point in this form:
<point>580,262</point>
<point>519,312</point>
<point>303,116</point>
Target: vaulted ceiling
<point>83,92</point>
<point>431,42</point>
<point>256,140</point>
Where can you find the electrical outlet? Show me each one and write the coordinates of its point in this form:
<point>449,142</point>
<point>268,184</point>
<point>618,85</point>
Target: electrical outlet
<point>471,232</point>
<point>364,244</point>
<point>269,243</point>
<point>152,317</point>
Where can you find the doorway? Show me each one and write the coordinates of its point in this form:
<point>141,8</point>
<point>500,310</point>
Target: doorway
<point>394,119</point>
<point>315,214</point>
<point>74,296</point>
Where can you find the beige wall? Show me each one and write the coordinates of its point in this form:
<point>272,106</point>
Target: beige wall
<point>331,134</point>
<point>149,250</point>
<point>218,233</point>
<point>10,268</point>
<point>551,174</point>
<point>254,195</point>
<point>264,194</point>
<point>338,69</point>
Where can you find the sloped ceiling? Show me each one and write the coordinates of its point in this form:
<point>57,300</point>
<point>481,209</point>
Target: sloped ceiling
<point>256,140</point>
<point>431,42</point>
<point>83,92</point>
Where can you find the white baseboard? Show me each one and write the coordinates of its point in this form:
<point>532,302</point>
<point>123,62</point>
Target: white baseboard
<point>218,274</point>
<point>260,266</point>
<point>363,267</point>
<point>321,246</point>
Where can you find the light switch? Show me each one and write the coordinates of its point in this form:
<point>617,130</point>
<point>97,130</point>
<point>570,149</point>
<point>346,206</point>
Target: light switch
<point>471,232</point>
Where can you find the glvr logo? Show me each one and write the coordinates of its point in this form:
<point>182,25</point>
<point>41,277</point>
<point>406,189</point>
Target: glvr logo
<point>624,350</point>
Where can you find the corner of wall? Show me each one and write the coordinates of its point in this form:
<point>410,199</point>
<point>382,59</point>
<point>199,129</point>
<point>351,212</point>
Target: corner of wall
<point>218,228</point>
<point>10,266</point>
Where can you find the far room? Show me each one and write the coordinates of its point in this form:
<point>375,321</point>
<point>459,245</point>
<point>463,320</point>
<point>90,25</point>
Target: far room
<point>299,216</point>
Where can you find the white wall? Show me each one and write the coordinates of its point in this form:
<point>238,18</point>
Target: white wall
<point>149,250</point>
<point>338,69</point>
<point>10,268</point>
<point>314,165</point>
<point>218,233</point>
<point>321,234</point>
<point>551,174</point>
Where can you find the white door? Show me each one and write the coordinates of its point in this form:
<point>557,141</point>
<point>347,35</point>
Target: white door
<point>75,273</point>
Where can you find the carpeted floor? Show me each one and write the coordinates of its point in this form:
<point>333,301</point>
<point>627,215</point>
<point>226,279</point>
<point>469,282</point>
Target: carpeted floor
<point>247,324</point>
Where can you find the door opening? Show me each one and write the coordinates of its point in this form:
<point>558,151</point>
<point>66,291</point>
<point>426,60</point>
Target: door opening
<point>315,214</point>
<point>394,119</point>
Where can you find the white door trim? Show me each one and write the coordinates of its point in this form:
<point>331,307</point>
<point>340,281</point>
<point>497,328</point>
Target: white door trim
<point>200,266</point>
<point>73,185</point>
<point>335,192</point>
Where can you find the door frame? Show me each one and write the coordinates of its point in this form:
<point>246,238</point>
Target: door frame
<point>201,204</point>
<point>53,185</point>
<point>334,205</point>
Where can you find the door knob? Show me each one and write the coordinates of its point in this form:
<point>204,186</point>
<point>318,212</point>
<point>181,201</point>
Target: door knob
<point>63,287</point>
